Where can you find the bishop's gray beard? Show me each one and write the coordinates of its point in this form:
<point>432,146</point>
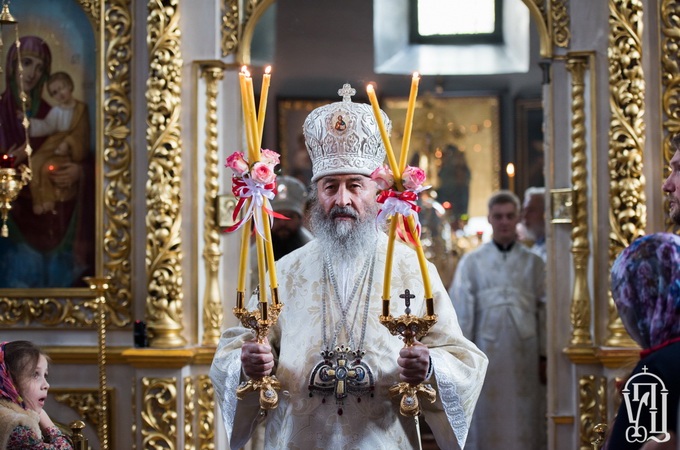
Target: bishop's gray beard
<point>347,239</point>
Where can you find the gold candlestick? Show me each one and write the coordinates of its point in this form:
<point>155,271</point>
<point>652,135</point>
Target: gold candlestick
<point>99,285</point>
<point>12,182</point>
<point>10,185</point>
<point>410,328</point>
<point>267,386</point>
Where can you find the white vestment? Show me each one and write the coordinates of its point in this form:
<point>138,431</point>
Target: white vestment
<point>372,421</point>
<point>496,296</point>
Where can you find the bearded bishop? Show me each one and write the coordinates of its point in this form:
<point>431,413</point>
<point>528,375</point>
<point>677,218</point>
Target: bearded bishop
<point>333,357</point>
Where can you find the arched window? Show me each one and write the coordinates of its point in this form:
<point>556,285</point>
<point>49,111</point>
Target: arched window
<point>454,22</point>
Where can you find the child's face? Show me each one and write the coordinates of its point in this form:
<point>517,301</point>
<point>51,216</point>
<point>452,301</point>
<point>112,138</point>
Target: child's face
<point>60,90</point>
<point>33,388</point>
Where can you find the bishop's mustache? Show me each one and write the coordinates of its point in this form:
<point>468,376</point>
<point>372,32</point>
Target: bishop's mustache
<point>345,211</point>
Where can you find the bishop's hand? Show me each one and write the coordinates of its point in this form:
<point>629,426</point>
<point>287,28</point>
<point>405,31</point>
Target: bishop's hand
<point>257,359</point>
<point>414,363</point>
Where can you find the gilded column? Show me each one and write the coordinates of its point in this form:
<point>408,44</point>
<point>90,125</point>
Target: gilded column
<point>669,11</point>
<point>163,218</point>
<point>580,246</point>
<point>159,413</point>
<point>627,213</point>
<point>212,304</point>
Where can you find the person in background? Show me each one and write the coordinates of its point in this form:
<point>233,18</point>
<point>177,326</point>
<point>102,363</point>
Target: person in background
<point>645,285</point>
<point>671,185</point>
<point>24,424</point>
<point>496,292</point>
<point>290,201</point>
<point>533,219</point>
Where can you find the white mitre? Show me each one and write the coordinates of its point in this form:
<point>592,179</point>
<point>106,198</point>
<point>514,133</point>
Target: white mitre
<point>344,137</point>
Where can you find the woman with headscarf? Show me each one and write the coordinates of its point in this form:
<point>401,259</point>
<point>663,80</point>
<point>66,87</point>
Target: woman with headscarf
<point>48,250</point>
<point>645,283</point>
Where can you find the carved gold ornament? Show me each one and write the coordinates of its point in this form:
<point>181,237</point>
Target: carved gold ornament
<point>159,412</point>
<point>592,408</point>
<point>627,213</point>
<point>206,413</point>
<point>164,309</point>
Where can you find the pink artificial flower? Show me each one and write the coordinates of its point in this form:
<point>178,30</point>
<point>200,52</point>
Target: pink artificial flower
<point>269,157</point>
<point>237,164</point>
<point>383,177</point>
<point>262,173</point>
<point>413,178</point>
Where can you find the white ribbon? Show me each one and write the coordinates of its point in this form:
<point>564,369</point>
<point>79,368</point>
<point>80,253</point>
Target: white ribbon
<point>259,196</point>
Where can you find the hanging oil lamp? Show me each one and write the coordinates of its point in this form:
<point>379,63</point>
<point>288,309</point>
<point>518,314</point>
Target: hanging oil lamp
<point>13,179</point>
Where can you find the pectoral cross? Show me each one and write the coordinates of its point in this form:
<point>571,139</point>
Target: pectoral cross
<point>407,296</point>
<point>342,373</point>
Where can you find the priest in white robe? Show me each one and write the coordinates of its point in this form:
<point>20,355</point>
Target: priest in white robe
<point>497,291</point>
<point>333,357</point>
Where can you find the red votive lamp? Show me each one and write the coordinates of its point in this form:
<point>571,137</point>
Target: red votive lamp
<point>7,161</point>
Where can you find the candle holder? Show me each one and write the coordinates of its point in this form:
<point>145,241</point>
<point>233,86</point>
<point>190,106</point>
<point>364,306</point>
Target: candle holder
<point>410,328</point>
<point>100,286</point>
<point>11,183</point>
<point>254,320</point>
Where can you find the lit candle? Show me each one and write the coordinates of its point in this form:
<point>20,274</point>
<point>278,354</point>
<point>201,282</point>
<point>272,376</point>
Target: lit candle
<point>266,78</point>
<point>510,170</point>
<point>408,126</point>
<point>269,249</point>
